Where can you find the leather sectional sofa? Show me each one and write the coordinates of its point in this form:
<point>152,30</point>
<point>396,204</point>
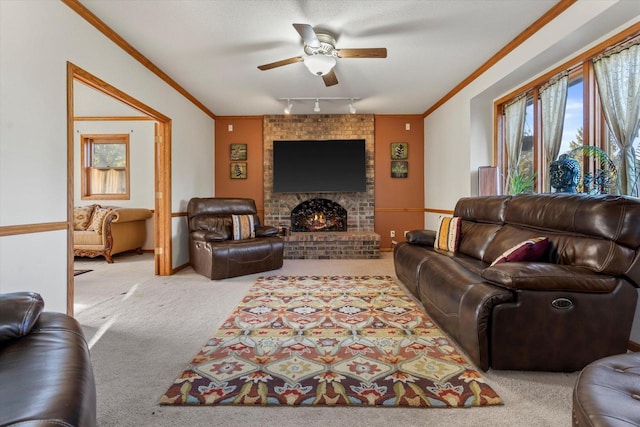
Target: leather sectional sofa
<point>46,377</point>
<point>572,306</point>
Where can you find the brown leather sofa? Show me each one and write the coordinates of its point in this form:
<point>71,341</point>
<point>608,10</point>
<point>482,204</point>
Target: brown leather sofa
<point>571,307</point>
<point>46,377</point>
<point>215,253</point>
<point>607,393</point>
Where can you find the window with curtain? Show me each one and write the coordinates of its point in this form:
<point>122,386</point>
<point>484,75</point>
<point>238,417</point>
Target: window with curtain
<point>105,167</point>
<point>617,73</point>
<point>586,124</point>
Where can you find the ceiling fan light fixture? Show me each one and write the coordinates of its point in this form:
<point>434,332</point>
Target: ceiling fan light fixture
<point>316,108</point>
<point>319,64</point>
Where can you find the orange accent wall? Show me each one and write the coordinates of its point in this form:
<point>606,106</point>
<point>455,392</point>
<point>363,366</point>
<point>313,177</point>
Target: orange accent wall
<point>245,130</point>
<point>399,201</point>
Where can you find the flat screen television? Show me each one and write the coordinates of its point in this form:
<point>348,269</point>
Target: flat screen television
<point>319,166</point>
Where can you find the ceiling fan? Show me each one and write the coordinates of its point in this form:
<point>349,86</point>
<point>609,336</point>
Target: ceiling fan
<point>321,53</point>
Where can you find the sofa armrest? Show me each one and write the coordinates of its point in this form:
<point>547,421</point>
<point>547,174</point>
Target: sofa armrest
<point>207,236</point>
<point>131,214</point>
<point>266,231</point>
<point>421,237</point>
<point>539,276</point>
<point>19,311</point>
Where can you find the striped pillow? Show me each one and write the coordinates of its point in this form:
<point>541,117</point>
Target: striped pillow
<point>448,233</point>
<point>243,227</point>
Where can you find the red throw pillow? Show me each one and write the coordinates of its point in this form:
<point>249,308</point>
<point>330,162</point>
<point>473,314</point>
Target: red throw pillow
<point>529,250</point>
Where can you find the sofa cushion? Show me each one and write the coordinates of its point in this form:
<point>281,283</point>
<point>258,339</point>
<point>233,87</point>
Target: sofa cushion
<point>84,238</point>
<point>97,219</point>
<point>243,227</point>
<point>219,224</point>
<point>19,311</point>
<point>543,276</point>
<point>475,237</point>
<point>207,236</point>
<point>528,250</point>
<point>447,234</point>
<point>82,217</point>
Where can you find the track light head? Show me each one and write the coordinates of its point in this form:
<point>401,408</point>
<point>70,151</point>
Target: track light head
<point>316,108</point>
<point>288,108</point>
<point>352,108</point>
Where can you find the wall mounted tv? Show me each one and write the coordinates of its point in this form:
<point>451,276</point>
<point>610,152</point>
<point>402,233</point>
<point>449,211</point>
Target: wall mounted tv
<point>319,166</point>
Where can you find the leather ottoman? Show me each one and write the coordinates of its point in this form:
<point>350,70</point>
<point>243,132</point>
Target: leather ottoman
<point>607,392</point>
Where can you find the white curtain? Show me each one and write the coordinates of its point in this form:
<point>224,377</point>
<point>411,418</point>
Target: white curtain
<point>553,102</point>
<point>618,77</point>
<point>111,181</point>
<point>514,128</point>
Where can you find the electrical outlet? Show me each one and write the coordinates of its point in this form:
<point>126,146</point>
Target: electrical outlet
<point>392,233</point>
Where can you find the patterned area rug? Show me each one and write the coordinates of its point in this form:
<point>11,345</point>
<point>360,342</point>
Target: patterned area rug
<point>322,340</point>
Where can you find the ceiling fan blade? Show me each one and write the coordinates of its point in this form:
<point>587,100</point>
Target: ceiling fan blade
<point>374,52</point>
<point>330,79</point>
<point>280,63</point>
<point>308,34</point>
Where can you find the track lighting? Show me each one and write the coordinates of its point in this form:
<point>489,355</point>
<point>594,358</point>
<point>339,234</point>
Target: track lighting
<point>289,107</point>
<point>316,106</point>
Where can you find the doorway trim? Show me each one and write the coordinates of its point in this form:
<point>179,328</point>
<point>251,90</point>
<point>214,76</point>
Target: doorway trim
<point>162,175</point>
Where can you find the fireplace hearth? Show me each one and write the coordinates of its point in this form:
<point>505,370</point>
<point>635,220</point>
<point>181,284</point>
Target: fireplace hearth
<point>322,215</point>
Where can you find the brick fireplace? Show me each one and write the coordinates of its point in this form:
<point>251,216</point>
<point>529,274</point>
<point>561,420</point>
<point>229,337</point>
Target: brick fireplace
<point>359,240</point>
<point>318,215</point>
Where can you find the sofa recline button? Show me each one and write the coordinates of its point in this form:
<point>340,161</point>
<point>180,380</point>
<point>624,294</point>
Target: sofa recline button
<point>562,303</point>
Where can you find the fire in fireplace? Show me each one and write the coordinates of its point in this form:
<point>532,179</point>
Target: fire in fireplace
<point>319,215</point>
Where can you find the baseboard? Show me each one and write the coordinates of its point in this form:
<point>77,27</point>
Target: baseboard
<point>634,346</point>
<point>180,267</point>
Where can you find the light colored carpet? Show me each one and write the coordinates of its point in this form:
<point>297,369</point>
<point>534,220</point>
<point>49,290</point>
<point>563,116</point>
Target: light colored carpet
<point>144,329</point>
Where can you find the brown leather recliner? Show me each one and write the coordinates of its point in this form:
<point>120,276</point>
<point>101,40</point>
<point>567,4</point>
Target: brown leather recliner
<point>213,250</point>
<point>46,376</point>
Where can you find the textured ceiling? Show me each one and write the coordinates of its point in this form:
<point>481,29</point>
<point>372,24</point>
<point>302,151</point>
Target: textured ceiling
<point>212,47</point>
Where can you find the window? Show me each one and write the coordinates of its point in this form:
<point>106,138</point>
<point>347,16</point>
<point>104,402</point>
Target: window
<point>585,135</point>
<point>105,167</point>
<point>526,165</point>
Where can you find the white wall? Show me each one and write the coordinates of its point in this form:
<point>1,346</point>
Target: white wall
<point>141,165</point>
<point>459,134</point>
<point>37,38</point>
